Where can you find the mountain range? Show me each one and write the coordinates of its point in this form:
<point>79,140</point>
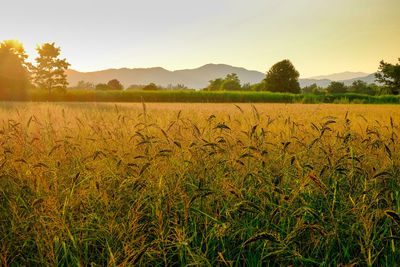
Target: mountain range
<point>198,78</point>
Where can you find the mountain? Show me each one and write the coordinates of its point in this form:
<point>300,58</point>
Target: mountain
<point>370,78</point>
<point>197,78</point>
<point>193,78</point>
<point>347,75</point>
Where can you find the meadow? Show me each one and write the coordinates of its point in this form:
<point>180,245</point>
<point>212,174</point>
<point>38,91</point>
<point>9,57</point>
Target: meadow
<point>158,184</point>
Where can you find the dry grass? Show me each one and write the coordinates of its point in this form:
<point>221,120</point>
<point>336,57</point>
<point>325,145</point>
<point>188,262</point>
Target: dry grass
<point>199,184</point>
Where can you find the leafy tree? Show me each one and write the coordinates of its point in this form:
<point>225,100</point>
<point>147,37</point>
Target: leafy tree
<point>114,84</point>
<point>361,87</point>
<point>318,91</point>
<point>102,86</point>
<point>151,87</point>
<point>358,86</point>
<point>231,83</point>
<point>14,73</point>
<point>215,85</point>
<point>282,77</point>
<point>246,87</point>
<point>258,86</point>
<point>309,89</point>
<point>336,88</point>
<point>49,72</point>
<point>389,75</point>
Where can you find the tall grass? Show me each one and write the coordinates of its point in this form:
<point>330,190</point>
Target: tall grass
<point>206,97</point>
<point>215,184</point>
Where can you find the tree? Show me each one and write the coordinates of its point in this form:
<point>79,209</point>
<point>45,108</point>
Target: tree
<point>359,87</point>
<point>102,86</point>
<point>246,87</point>
<point>231,83</point>
<point>114,84</point>
<point>215,85</point>
<point>14,73</point>
<point>258,86</point>
<point>389,75</point>
<point>336,88</point>
<point>151,87</point>
<point>282,77</point>
<point>309,89</point>
<point>49,73</point>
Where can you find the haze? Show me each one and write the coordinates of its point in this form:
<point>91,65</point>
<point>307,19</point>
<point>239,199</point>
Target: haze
<point>319,37</point>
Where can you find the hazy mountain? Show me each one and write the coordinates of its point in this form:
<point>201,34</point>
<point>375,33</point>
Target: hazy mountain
<point>347,75</point>
<point>368,79</point>
<point>195,78</point>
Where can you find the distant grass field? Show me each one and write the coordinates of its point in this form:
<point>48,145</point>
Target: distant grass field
<point>199,184</point>
<point>208,97</point>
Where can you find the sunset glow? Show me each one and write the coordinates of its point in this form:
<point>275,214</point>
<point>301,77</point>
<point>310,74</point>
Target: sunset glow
<point>319,37</point>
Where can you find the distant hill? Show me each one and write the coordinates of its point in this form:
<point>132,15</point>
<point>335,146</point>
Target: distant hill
<point>195,78</point>
<point>347,75</point>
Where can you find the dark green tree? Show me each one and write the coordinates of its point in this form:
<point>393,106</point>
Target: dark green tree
<point>282,77</point>
<point>309,89</point>
<point>151,87</point>
<point>231,83</point>
<point>358,86</point>
<point>215,85</point>
<point>246,87</point>
<point>337,88</point>
<point>258,86</point>
<point>49,72</point>
<point>14,73</point>
<point>102,86</point>
<point>114,84</point>
<point>389,75</point>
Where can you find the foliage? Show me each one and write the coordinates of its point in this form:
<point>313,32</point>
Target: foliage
<point>49,72</point>
<point>102,86</point>
<point>310,89</point>
<point>230,83</point>
<point>199,185</point>
<point>151,87</point>
<point>282,77</point>
<point>336,88</point>
<point>14,73</point>
<point>114,84</point>
<point>215,85</point>
<point>258,86</point>
<point>389,75</point>
<point>361,87</point>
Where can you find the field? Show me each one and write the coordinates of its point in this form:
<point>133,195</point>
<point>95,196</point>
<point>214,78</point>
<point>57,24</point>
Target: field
<point>199,184</point>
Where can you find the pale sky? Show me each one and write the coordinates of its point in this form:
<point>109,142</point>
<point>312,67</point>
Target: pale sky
<point>318,36</point>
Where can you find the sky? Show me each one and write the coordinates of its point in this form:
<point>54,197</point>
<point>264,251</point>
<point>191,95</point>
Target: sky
<point>319,37</point>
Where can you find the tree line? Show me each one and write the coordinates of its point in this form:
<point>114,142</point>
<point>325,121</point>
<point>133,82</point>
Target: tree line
<point>17,75</point>
<point>283,78</point>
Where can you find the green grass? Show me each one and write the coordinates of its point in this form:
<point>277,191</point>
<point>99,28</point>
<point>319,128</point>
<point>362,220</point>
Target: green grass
<point>208,97</point>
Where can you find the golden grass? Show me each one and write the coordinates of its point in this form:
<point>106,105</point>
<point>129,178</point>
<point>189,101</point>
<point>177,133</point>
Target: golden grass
<point>199,184</point>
